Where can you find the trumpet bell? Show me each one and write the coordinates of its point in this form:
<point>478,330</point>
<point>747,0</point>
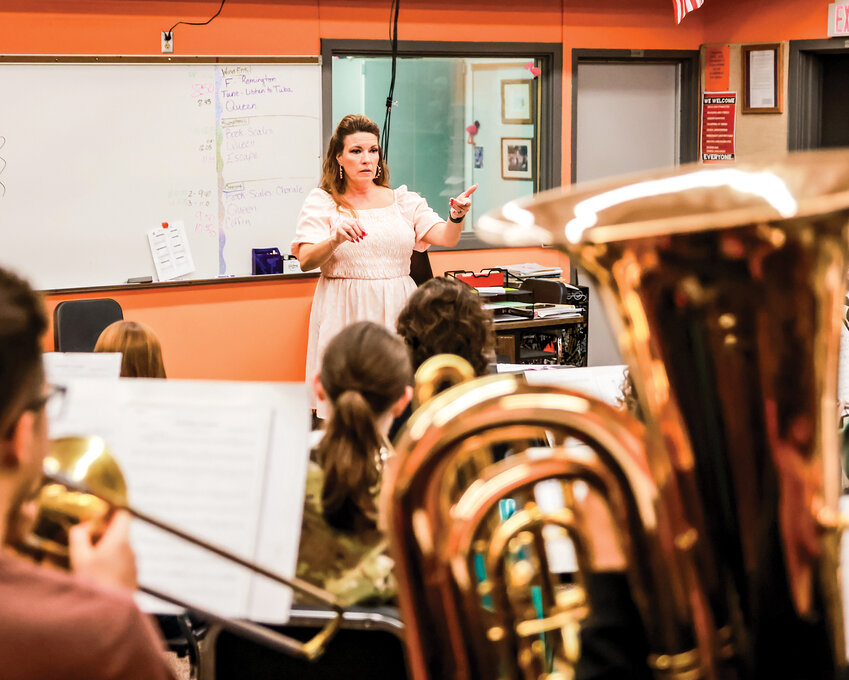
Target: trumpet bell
<point>87,462</point>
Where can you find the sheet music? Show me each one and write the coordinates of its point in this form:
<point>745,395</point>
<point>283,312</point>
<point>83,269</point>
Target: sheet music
<point>60,367</point>
<point>843,366</point>
<point>226,462</point>
<point>601,382</point>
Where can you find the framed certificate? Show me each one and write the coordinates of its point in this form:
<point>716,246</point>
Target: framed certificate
<point>517,102</point>
<point>762,82</point>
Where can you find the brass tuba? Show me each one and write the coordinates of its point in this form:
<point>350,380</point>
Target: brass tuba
<point>725,287</point>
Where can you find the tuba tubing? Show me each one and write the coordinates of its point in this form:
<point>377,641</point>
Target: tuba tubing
<point>660,564</point>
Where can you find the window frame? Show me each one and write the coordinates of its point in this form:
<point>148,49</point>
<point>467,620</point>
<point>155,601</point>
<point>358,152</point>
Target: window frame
<point>549,56</point>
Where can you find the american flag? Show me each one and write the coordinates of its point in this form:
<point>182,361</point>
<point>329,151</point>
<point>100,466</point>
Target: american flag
<point>682,7</point>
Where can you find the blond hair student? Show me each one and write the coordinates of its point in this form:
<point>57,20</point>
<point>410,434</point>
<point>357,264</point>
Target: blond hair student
<point>142,353</point>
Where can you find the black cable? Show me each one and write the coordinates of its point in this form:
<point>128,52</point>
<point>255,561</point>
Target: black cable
<point>194,23</point>
<point>393,36</point>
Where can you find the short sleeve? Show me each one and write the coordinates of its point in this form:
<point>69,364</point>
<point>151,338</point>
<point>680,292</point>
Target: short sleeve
<point>415,208</point>
<point>314,219</point>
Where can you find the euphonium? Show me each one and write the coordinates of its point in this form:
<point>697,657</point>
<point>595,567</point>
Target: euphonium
<point>725,288</point>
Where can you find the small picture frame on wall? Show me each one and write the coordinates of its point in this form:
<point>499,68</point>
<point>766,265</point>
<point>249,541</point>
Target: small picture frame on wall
<point>517,158</point>
<point>517,102</point>
<point>762,82</point>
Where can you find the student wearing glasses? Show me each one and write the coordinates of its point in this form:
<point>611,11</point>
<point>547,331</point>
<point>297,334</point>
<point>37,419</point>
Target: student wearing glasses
<point>54,624</point>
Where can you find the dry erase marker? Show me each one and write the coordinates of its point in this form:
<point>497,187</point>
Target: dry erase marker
<point>165,225</point>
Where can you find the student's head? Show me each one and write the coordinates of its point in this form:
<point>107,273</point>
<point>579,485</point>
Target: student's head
<point>142,354</point>
<point>23,427</point>
<point>352,128</point>
<point>365,377</point>
<point>445,316</point>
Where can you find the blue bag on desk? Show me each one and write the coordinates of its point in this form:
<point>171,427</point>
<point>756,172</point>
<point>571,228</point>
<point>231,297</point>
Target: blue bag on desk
<point>266,261</point>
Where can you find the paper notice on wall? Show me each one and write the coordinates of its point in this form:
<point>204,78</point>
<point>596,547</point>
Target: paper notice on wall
<point>717,67</point>
<point>170,249</point>
<point>762,79</point>
<point>719,114</point>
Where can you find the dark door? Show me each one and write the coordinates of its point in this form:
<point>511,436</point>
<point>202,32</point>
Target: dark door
<point>835,100</point>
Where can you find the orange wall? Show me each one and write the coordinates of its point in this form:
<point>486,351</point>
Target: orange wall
<point>258,330</point>
<point>733,21</point>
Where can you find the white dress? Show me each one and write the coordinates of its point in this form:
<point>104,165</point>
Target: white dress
<point>365,281</point>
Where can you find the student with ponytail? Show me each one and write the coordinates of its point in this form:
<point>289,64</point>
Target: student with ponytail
<point>365,382</point>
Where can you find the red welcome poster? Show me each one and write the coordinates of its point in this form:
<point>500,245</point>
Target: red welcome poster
<point>719,113</point>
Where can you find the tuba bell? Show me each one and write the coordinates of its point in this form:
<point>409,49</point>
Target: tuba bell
<point>725,289</point>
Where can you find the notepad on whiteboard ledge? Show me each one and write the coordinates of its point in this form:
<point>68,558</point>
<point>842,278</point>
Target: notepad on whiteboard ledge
<point>170,250</point>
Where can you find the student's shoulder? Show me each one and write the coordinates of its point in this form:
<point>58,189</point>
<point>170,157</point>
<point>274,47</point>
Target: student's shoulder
<point>99,628</point>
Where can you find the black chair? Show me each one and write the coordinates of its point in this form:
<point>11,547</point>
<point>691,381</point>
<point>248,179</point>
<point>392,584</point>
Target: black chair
<point>77,324</point>
<point>368,645</point>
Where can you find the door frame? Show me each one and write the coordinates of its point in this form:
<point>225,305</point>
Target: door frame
<point>687,61</point>
<point>804,90</point>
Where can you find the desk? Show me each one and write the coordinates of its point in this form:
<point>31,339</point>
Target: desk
<point>569,337</point>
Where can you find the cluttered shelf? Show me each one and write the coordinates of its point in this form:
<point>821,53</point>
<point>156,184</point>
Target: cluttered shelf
<point>545,322</point>
<point>539,319</point>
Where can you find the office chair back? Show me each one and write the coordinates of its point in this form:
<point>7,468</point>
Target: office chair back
<point>77,324</point>
<point>552,290</point>
<point>420,269</point>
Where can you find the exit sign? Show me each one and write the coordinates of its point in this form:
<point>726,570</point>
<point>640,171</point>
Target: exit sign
<point>838,19</point>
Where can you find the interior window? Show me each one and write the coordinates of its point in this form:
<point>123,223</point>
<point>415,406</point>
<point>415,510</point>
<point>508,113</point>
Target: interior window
<point>457,121</point>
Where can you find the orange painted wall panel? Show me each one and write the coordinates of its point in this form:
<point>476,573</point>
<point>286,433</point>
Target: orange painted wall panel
<point>472,20</point>
<point>132,27</point>
<point>236,331</point>
<point>732,21</point>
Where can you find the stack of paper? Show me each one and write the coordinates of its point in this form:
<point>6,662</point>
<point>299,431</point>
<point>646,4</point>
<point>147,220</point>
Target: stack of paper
<point>551,310</point>
<point>601,382</point>
<point>529,269</point>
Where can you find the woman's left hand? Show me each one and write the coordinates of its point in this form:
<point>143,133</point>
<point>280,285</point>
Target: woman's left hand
<point>462,204</point>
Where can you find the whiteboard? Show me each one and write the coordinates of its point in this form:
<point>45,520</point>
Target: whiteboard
<point>94,155</point>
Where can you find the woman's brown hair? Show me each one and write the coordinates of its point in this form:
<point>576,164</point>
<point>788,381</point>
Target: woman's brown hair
<point>331,182</point>
<point>142,354</point>
<point>365,370</point>
<point>445,316</point>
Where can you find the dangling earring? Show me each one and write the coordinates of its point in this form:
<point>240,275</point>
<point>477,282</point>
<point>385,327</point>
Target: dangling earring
<point>340,172</point>
<point>378,172</point>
